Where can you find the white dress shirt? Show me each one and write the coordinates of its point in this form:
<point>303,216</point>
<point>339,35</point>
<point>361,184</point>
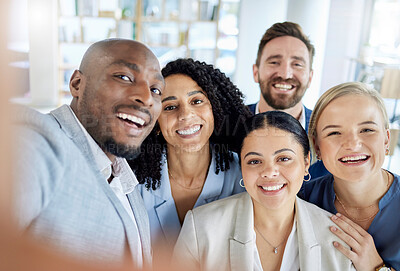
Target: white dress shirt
<point>123,183</point>
<point>290,260</point>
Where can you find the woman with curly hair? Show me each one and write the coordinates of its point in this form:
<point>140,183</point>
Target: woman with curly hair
<point>187,159</point>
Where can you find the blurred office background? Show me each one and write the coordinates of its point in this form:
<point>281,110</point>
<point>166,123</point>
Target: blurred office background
<point>355,40</point>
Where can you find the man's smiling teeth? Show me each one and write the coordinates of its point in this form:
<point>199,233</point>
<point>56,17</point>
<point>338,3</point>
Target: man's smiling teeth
<point>272,188</point>
<point>189,131</point>
<point>132,118</point>
<point>283,86</point>
<point>353,158</point>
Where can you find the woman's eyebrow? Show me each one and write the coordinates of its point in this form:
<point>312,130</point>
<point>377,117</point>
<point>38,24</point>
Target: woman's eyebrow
<point>195,92</point>
<point>283,150</point>
<point>169,98</point>
<point>252,153</point>
<point>330,126</point>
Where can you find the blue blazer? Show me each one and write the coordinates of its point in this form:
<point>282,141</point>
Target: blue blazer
<point>62,197</point>
<point>164,220</point>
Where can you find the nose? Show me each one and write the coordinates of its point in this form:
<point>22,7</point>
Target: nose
<point>285,71</point>
<point>185,112</point>
<point>141,93</point>
<point>351,141</point>
<point>270,171</point>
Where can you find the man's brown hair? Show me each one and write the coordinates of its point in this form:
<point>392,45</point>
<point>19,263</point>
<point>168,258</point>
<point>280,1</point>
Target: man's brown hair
<point>281,30</point>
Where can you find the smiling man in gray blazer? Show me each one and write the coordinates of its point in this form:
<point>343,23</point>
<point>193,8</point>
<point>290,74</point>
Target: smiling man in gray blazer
<point>75,190</point>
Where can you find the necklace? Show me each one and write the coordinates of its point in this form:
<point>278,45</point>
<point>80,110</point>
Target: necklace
<point>274,247</point>
<point>188,188</point>
<point>358,208</point>
<point>361,208</point>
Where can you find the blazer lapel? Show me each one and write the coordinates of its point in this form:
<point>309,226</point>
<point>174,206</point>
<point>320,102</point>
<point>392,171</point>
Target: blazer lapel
<point>309,248</point>
<point>72,129</point>
<point>165,208</point>
<point>213,186</point>
<point>243,240</point>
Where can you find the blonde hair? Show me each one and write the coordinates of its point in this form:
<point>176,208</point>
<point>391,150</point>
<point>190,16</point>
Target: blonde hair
<point>350,88</point>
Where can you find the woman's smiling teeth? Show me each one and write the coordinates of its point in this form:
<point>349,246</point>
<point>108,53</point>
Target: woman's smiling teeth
<point>190,130</point>
<point>272,188</point>
<point>131,118</point>
<point>353,159</point>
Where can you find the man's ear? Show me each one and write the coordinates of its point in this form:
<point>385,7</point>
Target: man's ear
<point>75,84</point>
<point>255,73</point>
<point>310,78</point>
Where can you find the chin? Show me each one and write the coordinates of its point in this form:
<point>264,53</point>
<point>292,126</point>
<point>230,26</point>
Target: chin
<point>122,150</point>
<point>193,147</point>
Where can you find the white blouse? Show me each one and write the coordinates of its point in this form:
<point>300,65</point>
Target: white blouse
<point>290,260</point>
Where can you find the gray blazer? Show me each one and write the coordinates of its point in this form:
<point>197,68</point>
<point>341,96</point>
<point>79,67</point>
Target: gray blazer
<point>61,196</point>
<point>220,236</point>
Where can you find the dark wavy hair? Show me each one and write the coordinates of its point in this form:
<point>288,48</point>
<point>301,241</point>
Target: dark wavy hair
<point>229,113</point>
<point>275,119</point>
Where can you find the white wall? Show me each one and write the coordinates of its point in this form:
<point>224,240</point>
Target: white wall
<point>43,52</point>
<point>255,17</point>
<point>313,17</point>
<point>342,42</point>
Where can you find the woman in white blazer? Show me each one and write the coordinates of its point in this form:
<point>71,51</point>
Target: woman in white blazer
<point>267,227</point>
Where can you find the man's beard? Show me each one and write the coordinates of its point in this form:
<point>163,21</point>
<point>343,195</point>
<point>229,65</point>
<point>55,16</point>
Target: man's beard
<point>120,150</point>
<point>282,101</point>
<point>101,132</point>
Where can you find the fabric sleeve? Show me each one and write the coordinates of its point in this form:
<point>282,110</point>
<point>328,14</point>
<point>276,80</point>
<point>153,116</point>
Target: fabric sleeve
<point>38,168</point>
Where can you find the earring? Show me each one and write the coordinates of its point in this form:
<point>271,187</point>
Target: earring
<point>241,183</point>
<point>387,151</point>
<point>318,157</point>
<point>158,132</point>
<point>309,177</point>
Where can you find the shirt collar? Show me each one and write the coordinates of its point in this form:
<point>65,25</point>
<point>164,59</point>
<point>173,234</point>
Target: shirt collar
<point>124,173</point>
<point>119,168</point>
<point>302,117</point>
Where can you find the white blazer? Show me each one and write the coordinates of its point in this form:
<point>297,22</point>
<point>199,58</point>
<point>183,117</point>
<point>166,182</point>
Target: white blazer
<point>220,236</point>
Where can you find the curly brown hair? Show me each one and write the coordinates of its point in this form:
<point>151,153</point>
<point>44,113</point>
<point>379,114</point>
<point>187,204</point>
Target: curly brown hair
<point>229,113</point>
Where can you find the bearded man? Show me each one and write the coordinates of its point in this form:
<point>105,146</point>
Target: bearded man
<point>283,69</point>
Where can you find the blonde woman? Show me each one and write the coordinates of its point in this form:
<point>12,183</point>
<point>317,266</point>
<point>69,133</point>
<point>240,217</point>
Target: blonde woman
<point>350,132</point>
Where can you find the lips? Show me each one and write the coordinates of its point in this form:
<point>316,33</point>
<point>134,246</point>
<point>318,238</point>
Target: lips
<point>189,130</point>
<point>354,159</point>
